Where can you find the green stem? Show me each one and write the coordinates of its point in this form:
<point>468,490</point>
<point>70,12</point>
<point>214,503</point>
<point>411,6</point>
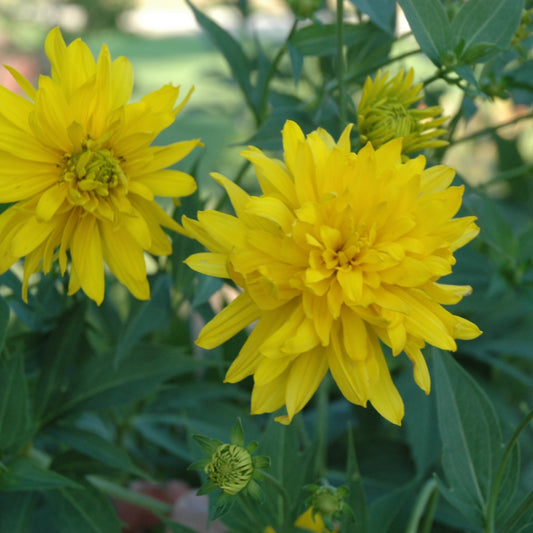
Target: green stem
<point>272,70</point>
<point>121,493</point>
<point>428,498</point>
<point>490,514</point>
<point>490,130</point>
<point>340,62</point>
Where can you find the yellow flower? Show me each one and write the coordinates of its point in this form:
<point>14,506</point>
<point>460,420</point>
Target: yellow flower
<point>385,113</point>
<point>78,165</point>
<point>341,251</point>
<point>307,522</point>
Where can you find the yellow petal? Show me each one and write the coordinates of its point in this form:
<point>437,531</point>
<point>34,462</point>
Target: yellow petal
<point>383,395</point>
<point>232,319</point>
<point>125,258</point>
<point>420,368</point>
<point>305,375</point>
<point>50,201</point>
<point>209,263</point>
<point>171,183</point>
<point>86,251</point>
<point>248,359</point>
<point>354,335</point>
<point>269,398</point>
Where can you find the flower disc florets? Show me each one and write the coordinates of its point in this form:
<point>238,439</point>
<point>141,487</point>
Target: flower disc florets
<point>340,256</point>
<point>385,112</point>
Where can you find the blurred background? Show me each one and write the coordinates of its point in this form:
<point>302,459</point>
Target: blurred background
<point>165,45</point>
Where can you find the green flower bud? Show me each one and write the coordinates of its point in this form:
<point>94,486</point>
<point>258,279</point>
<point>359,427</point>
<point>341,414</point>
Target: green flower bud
<point>328,502</point>
<point>304,8</point>
<point>231,468</point>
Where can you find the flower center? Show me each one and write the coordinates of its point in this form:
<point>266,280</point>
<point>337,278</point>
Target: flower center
<point>91,174</point>
<point>230,468</point>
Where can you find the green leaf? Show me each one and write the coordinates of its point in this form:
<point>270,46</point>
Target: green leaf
<point>59,359</point>
<point>95,446</point>
<point>420,424</point>
<point>385,510</point>
<point>15,511</point>
<point>364,58</point>
<point>321,40</point>
<point>4,320</point>
<point>100,383</point>
<point>488,22</point>
<point>146,316</point>
<point>24,474</point>
<point>14,410</point>
<point>430,26</point>
<point>230,49</point>
<point>381,12</point>
<point>165,439</point>
<point>297,61</point>
<point>471,437</point>
<point>356,498</point>
<point>83,511</point>
<point>496,230</point>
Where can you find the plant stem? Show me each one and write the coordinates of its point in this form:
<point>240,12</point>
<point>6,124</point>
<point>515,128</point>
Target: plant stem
<point>428,497</point>
<point>340,62</point>
<point>124,494</point>
<point>492,129</point>
<point>490,513</point>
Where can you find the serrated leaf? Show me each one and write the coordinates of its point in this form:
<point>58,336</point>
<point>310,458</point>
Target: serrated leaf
<point>471,437</point>
<point>24,474</point>
<point>489,22</point>
<point>381,12</point>
<point>83,511</point>
<point>146,316</point>
<point>14,408</point>
<point>430,26</point>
